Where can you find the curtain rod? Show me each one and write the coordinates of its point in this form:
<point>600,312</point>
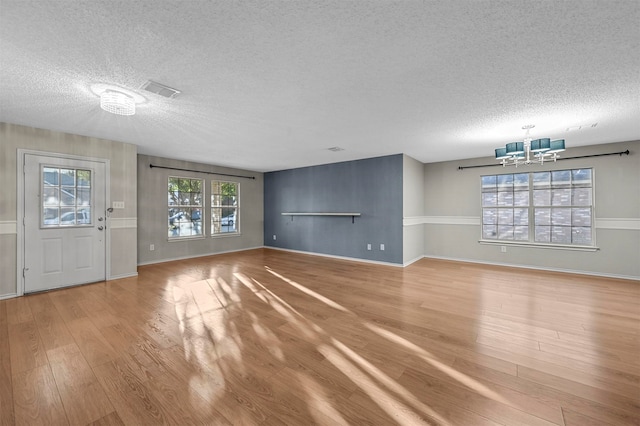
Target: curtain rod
<point>151,166</point>
<point>559,159</point>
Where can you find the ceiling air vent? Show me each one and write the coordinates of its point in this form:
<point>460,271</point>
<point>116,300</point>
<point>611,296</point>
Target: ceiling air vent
<point>160,89</point>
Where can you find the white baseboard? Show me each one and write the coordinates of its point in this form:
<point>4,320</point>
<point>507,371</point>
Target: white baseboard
<point>117,277</point>
<point>405,264</point>
<point>152,262</point>
<point>352,259</point>
<point>537,268</point>
<point>8,296</point>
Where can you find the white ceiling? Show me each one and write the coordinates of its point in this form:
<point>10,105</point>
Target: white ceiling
<point>269,85</point>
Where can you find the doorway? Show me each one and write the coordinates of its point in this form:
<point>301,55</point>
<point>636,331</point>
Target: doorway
<point>64,236</point>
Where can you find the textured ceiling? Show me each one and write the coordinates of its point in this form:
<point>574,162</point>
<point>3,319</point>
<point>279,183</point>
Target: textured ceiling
<point>269,85</point>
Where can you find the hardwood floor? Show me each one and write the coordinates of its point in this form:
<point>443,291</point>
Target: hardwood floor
<point>266,337</point>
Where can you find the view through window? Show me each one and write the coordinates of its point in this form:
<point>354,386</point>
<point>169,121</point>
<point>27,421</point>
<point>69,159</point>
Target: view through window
<point>225,208</point>
<point>553,207</point>
<point>185,198</point>
<point>66,197</point>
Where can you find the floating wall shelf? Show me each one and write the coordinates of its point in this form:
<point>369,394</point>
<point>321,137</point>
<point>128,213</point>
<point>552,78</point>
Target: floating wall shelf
<point>353,215</point>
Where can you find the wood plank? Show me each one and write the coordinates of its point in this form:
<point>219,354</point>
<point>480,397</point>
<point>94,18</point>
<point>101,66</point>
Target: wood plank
<point>271,338</point>
<point>26,348</point>
<point>36,397</point>
<point>630,405</point>
<point>66,301</point>
<point>18,310</point>
<point>83,398</point>
<point>6,388</point>
<point>95,348</point>
<point>546,394</point>
<point>52,329</point>
<point>571,418</point>
<point>129,395</point>
<point>111,419</point>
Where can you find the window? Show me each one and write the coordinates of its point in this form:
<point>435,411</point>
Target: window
<point>551,207</point>
<point>185,207</point>
<point>225,207</point>
<point>66,197</point>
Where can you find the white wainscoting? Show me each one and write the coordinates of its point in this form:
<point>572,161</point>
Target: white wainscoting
<point>123,222</point>
<point>8,227</point>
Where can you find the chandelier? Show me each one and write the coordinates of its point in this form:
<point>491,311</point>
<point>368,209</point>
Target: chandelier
<point>117,103</point>
<point>530,150</point>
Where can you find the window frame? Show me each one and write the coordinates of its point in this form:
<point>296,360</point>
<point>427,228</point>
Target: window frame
<point>531,208</point>
<point>74,208</point>
<point>190,207</point>
<point>212,206</point>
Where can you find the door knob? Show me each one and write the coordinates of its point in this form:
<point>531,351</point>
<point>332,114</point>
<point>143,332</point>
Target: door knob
<point>100,228</point>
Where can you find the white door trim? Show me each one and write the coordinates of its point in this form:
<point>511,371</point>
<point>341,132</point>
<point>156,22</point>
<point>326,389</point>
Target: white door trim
<point>20,208</point>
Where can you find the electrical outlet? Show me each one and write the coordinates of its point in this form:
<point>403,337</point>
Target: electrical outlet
<point>368,246</point>
<point>274,236</point>
<point>118,205</point>
<point>503,249</point>
<point>152,247</point>
<point>382,247</point>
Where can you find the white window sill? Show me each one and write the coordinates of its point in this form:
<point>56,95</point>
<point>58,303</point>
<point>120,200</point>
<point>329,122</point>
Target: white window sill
<point>186,238</point>
<point>226,235</point>
<point>539,245</point>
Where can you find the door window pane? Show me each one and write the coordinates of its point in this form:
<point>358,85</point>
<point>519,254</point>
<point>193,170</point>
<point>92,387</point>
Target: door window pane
<point>66,197</point>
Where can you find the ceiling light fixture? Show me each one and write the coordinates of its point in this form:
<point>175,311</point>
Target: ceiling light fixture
<point>530,150</point>
<point>117,103</point>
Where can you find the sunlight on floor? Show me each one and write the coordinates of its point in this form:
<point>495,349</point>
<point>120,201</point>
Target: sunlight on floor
<point>208,304</point>
<point>311,293</point>
<point>371,380</point>
<point>418,351</point>
<point>319,400</point>
<point>427,357</point>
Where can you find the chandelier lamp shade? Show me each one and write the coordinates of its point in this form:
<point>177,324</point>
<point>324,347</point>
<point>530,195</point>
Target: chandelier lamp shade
<point>529,151</point>
<point>117,103</point>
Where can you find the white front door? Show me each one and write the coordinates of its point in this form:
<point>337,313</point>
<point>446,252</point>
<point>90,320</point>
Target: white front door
<point>64,222</point>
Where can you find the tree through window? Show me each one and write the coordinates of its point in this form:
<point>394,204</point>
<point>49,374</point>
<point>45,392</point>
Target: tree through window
<point>185,198</point>
<point>225,207</point>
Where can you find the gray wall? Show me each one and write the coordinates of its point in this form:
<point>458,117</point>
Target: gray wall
<point>412,207</point>
<point>372,187</point>
<point>452,214</point>
<point>122,225</point>
<point>152,212</point>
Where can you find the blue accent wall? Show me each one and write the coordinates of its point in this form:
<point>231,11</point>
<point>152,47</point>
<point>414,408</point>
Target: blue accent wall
<point>372,187</point>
